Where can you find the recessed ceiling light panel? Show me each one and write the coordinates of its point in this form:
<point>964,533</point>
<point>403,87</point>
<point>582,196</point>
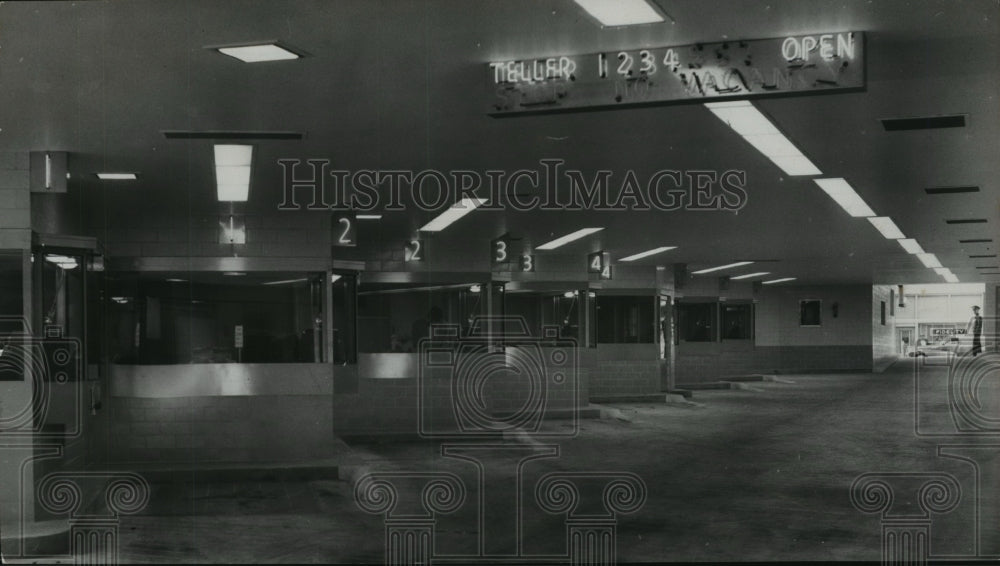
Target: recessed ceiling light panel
<point>613,13</point>
<point>562,241</point>
<point>911,246</point>
<point>259,53</point>
<point>721,267</point>
<point>752,275</point>
<point>887,227</point>
<point>844,194</point>
<point>116,176</point>
<point>648,253</point>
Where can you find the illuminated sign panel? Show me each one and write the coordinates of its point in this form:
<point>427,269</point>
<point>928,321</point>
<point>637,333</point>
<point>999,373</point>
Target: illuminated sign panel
<point>832,62</point>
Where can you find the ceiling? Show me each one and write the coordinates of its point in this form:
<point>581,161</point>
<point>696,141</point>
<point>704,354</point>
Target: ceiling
<point>399,84</point>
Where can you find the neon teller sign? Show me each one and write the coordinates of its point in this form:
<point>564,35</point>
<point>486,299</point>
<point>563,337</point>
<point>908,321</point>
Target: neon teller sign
<point>830,62</point>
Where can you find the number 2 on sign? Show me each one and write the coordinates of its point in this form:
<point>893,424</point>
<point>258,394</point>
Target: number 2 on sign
<point>345,234</point>
<point>413,251</point>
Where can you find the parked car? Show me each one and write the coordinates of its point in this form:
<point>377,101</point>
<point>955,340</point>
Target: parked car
<point>939,347</point>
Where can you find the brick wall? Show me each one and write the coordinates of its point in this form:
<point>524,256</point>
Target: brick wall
<point>15,201</point>
<point>222,428</point>
<point>841,343</point>
<point>623,369</point>
<point>714,361</point>
<point>407,405</point>
<point>778,316</point>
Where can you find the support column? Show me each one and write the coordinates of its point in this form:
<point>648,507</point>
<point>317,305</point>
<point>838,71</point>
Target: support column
<point>16,391</point>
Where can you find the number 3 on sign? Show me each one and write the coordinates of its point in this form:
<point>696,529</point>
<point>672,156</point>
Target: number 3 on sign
<point>500,253</point>
<point>345,234</point>
<point>414,251</point>
<point>527,263</point>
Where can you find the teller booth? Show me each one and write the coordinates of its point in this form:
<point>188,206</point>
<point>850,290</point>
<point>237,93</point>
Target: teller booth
<point>221,359</point>
<point>427,342</point>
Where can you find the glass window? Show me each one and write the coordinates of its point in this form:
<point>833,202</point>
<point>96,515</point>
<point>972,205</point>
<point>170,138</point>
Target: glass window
<point>394,317</point>
<point>696,322</point>
<point>809,312</point>
<point>737,321</point>
<point>12,325</point>
<point>59,298</point>
<point>626,319</point>
<point>11,285</point>
<point>541,309</point>
<point>215,318</point>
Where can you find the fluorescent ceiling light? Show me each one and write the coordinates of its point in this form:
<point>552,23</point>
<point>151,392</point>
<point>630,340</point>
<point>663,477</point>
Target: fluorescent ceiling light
<point>116,176</point>
<point>621,12</point>
<point>227,155</point>
<point>929,260</point>
<point>911,246</point>
<point>368,217</point>
<point>232,172</point>
<point>942,270</point>
<point>796,165</point>
<point>746,120</point>
<point>844,195</point>
<point>454,212</point>
<point>648,253</point>
<point>951,278</point>
<point>887,227</point>
<point>259,53</point>
<point>782,280</point>
<point>743,117</point>
<point>285,282</point>
<point>749,275</point>
<point>562,241</point>
<point>721,267</point>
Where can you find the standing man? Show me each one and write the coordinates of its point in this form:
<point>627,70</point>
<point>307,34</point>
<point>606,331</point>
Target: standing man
<point>975,327</point>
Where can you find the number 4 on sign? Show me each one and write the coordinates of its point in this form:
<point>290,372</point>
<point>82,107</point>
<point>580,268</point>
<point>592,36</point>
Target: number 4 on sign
<point>595,262</point>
